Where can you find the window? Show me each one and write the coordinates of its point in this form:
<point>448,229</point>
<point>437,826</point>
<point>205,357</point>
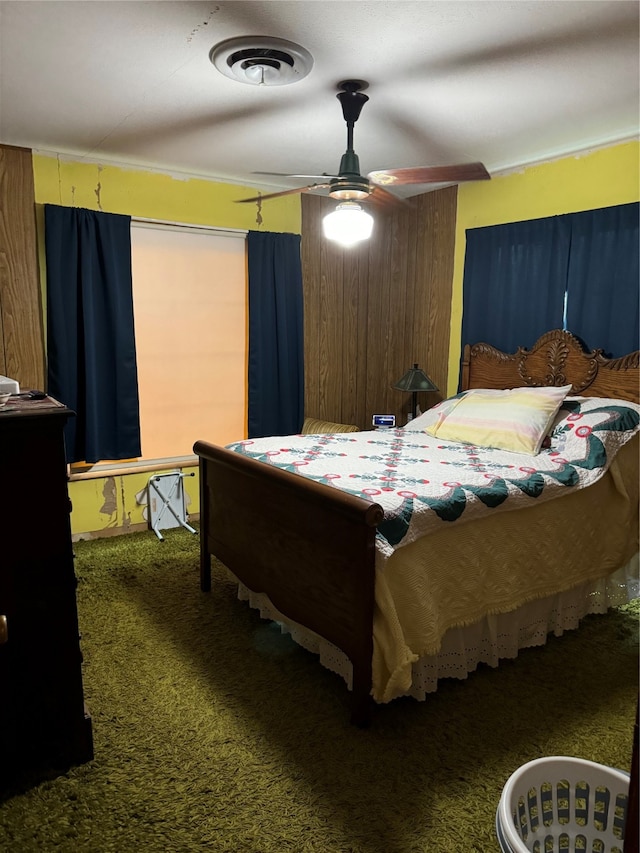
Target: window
<point>190,311</point>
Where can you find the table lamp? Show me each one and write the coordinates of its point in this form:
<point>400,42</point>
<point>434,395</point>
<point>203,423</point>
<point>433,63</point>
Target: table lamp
<point>415,380</point>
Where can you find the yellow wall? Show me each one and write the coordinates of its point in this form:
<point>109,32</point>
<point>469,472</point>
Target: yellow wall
<point>602,178</point>
<point>109,504</point>
<point>156,195</point>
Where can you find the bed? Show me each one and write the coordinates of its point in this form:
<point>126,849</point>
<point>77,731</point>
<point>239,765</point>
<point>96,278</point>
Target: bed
<point>396,586</point>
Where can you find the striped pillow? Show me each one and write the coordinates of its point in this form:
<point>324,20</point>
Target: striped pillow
<point>313,426</point>
<point>517,419</point>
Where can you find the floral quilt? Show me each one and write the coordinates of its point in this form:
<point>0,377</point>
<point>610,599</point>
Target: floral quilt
<point>422,482</point>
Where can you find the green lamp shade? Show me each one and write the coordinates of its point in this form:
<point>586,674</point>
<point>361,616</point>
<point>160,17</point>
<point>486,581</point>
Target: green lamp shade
<point>415,380</point>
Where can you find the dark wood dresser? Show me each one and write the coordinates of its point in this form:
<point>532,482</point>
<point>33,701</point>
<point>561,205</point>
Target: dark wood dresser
<point>44,727</point>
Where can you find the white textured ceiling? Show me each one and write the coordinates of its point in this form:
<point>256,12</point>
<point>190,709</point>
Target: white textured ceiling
<point>505,83</point>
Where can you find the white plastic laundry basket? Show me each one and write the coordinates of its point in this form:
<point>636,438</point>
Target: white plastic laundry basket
<point>563,805</point>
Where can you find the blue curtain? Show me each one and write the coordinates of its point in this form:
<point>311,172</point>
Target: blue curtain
<point>578,271</point>
<point>91,351</point>
<point>603,281</point>
<point>276,351</point>
<point>514,282</point>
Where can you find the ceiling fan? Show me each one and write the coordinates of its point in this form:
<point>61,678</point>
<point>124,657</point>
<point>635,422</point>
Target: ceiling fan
<point>350,185</point>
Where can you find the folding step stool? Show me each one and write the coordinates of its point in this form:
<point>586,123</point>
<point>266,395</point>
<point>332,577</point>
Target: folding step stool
<point>167,504</point>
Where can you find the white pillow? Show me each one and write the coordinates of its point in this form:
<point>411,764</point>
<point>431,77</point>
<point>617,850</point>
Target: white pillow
<point>431,415</point>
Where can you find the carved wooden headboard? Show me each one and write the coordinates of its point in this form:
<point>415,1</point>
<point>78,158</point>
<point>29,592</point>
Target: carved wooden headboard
<point>556,358</point>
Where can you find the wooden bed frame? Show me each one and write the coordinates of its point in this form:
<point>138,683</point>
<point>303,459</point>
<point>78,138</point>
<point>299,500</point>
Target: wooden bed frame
<point>311,548</point>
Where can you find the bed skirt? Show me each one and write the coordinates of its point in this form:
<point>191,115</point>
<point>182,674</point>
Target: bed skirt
<point>487,641</point>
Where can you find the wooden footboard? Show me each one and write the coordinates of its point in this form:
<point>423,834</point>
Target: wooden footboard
<point>308,546</point>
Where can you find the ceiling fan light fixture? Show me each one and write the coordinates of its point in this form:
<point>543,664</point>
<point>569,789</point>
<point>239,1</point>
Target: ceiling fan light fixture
<point>349,192</point>
<point>261,60</point>
<point>348,224</point>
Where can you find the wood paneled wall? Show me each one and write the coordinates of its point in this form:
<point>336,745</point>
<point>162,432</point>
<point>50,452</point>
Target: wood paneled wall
<point>21,326</point>
<point>373,310</point>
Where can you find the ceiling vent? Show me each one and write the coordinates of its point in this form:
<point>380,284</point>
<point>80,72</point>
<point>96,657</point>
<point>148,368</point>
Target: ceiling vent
<point>261,60</point>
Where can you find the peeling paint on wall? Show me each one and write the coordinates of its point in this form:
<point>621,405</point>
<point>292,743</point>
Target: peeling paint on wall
<point>97,191</point>
<point>110,505</point>
<point>157,194</point>
<point>259,212</point>
<point>126,516</point>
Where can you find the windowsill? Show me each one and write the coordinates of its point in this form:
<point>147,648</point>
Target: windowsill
<point>142,466</point>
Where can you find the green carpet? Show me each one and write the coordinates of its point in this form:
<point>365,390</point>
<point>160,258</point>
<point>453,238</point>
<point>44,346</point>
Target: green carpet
<point>215,732</point>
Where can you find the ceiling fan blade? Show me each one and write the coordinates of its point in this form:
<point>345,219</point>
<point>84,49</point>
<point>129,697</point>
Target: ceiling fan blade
<point>284,192</point>
<point>287,175</point>
<point>382,198</point>
<point>430,174</point>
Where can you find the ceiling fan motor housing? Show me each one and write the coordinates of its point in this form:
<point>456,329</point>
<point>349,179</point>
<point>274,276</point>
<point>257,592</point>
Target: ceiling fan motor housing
<point>350,184</point>
<point>348,191</point>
